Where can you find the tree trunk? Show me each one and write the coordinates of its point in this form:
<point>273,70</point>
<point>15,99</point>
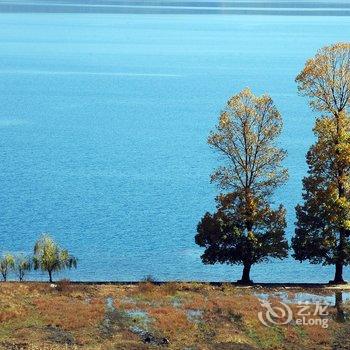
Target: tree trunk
<point>339,266</point>
<point>338,278</point>
<point>50,276</point>
<point>246,274</point>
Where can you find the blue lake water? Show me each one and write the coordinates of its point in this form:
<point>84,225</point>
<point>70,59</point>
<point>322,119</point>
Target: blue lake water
<point>103,127</point>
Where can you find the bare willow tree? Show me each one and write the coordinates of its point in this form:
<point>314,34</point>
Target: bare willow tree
<point>245,229</point>
<point>323,220</point>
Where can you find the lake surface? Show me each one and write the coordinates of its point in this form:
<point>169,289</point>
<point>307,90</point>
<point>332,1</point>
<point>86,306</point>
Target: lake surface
<point>103,127</point>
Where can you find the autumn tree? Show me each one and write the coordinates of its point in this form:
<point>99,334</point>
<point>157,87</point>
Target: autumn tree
<point>50,257</point>
<point>245,229</point>
<point>323,220</point>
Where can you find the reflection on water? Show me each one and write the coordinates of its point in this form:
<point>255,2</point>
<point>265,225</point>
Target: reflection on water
<point>342,315</point>
<point>294,8</point>
<point>338,300</point>
<point>303,297</point>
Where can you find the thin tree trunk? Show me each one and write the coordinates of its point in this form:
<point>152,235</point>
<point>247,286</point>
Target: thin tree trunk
<point>50,276</point>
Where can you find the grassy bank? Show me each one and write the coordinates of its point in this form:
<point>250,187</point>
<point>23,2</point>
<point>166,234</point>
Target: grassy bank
<point>170,315</point>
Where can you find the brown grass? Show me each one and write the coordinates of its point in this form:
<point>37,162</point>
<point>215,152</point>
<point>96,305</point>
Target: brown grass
<point>227,316</point>
<point>70,314</point>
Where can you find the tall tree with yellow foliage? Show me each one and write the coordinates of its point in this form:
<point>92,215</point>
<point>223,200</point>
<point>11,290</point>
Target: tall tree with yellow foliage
<point>323,221</point>
<point>245,229</point>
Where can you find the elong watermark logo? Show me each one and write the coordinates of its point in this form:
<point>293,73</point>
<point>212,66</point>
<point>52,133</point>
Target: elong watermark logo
<point>308,314</point>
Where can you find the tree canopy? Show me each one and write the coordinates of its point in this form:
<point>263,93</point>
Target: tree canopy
<point>246,139</point>
<point>224,233</point>
<point>325,79</point>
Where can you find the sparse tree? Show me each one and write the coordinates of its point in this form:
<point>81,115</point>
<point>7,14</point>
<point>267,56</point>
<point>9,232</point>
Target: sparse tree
<point>245,229</point>
<point>323,220</point>
<point>50,257</point>
<point>22,264</point>
<point>7,263</point>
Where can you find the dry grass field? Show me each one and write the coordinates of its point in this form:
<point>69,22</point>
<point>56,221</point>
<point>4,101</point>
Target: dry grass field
<point>149,316</point>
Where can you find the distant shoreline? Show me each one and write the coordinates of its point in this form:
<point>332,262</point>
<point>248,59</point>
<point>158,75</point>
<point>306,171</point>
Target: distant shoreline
<point>281,8</point>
